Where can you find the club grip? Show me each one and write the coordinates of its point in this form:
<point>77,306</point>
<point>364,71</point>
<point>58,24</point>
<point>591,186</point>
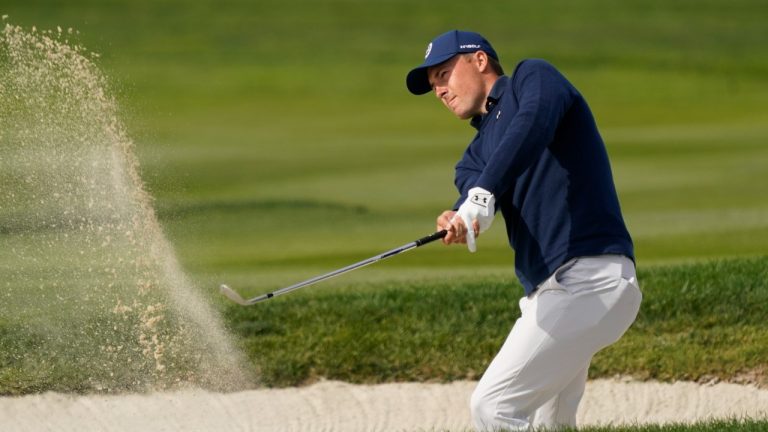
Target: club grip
<point>430,238</point>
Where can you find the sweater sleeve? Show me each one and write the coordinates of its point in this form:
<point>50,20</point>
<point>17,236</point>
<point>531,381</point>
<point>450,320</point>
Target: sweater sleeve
<point>544,97</point>
<point>468,170</point>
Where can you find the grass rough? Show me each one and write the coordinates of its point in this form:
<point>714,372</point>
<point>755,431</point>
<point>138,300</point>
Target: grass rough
<point>697,322</point>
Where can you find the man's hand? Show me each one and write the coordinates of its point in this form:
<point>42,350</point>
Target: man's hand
<point>478,211</point>
<point>457,231</point>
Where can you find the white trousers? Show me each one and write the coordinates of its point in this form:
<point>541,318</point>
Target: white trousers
<point>538,377</point>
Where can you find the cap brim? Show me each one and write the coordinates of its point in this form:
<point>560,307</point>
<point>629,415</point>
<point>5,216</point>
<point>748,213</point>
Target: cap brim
<point>417,80</point>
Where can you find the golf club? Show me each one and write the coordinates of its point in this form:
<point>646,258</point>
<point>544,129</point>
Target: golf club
<point>235,297</point>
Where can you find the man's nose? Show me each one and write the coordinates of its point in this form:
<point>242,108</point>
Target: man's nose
<point>440,91</point>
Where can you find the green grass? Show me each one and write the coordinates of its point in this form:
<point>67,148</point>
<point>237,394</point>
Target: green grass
<point>740,425</point>
<point>697,321</point>
<point>232,107</point>
<point>708,426</point>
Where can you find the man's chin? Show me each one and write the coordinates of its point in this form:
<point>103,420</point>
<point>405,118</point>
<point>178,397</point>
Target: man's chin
<point>461,115</point>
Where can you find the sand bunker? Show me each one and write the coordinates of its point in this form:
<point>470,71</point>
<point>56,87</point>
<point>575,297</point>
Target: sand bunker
<point>336,406</point>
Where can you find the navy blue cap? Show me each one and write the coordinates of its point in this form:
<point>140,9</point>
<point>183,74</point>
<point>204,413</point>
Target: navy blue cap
<point>443,48</point>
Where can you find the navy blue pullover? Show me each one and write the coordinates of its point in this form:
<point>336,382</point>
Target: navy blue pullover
<point>539,152</point>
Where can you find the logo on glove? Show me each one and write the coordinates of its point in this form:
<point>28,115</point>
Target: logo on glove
<point>481,199</point>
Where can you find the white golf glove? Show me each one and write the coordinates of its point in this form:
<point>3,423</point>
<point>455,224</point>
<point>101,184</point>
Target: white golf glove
<point>478,206</point>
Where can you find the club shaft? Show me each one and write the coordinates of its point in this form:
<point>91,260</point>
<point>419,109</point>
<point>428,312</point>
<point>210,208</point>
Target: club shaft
<point>414,244</point>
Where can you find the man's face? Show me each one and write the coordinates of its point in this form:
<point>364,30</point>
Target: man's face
<point>459,85</point>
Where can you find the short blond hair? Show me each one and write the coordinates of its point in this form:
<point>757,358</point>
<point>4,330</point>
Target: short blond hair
<point>495,65</point>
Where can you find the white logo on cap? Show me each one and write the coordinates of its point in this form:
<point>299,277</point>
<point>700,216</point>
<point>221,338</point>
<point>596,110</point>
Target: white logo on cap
<point>429,50</point>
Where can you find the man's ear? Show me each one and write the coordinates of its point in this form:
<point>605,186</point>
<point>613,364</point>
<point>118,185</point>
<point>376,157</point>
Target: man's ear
<point>481,60</point>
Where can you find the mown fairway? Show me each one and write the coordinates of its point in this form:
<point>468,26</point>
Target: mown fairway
<point>280,142</point>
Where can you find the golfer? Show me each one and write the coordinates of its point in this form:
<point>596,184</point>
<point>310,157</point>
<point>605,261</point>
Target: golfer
<point>538,158</point>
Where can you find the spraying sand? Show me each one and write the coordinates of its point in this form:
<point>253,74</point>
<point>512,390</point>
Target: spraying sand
<point>93,296</point>
<point>336,406</point>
